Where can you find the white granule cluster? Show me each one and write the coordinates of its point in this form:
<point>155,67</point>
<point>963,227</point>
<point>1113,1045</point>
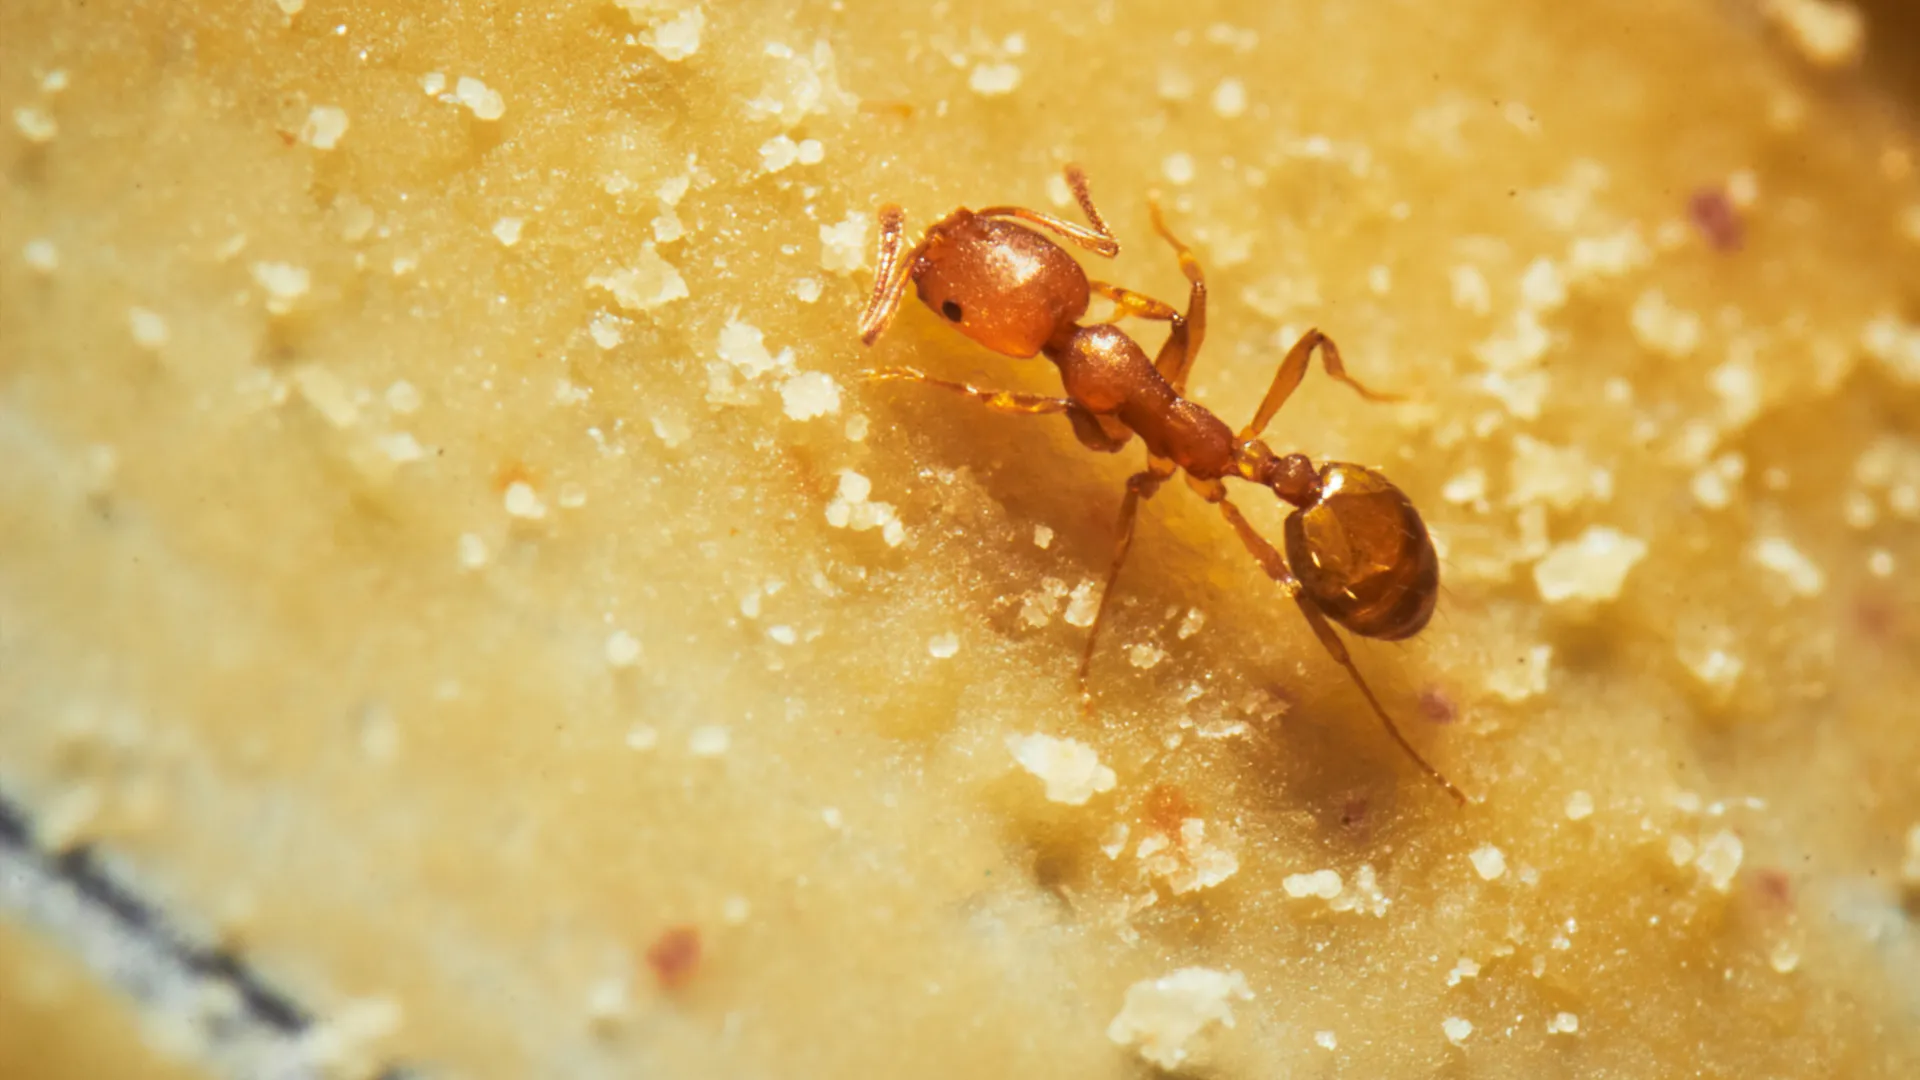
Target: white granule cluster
<point>607,330</point>
<point>1230,98</point>
<point>324,127</point>
<point>1083,604</point>
<point>1161,1016</point>
<point>1589,569</point>
<point>1070,769</point>
<point>1720,858</point>
<point>648,283</point>
<point>1456,1029</point>
<point>1829,33</point>
<point>852,509</point>
<point>284,284</point>
<point>1325,884</point>
<point>1488,861</point>
<point>1564,1023</point>
<point>400,447</point>
<point>523,502</point>
<point>433,83</point>
<point>149,329</point>
<point>1463,968</point>
<point>781,151</point>
<point>1518,681</point>
<point>843,247</point>
<point>1145,656</point>
<point>1579,806</point>
<point>622,649</point>
<point>1800,573</point>
<point>944,647</point>
<point>41,256</point>
<point>1189,861</point>
<point>1663,328</point>
<point>708,740</point>
<point>674,38</point>
<point>507,230</point>
<point>810,394</point>
<point>1178,168</point>
<point>36,124</point>
<point>993,79</point>
<point>1325,1040</point>
<point>403,397</point>
<point>484,102</point>
<point>471,551</point>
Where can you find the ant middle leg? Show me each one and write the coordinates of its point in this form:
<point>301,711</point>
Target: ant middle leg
<point>1183,345</point>
<point>1294,368</point>
<point>1276,567</point>
<point>1140,487</point>
<point>1099,239</point>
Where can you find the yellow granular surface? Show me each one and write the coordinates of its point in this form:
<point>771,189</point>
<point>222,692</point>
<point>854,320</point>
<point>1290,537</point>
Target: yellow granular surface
<point>446,542</point>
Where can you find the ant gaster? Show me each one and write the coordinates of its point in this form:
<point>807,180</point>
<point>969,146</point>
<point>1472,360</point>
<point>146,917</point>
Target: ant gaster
<point>1357,552</point>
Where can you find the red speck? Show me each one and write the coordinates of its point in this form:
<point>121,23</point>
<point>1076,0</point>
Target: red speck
<point>1774,887</point>
<point>1354,812</point>
<point>1437,706</point>
<point>1717,219</point>
<point>1166,808</point>
<point>674,956</point>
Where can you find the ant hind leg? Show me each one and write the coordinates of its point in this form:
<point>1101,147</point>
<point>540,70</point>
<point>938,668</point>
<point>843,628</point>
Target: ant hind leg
<point>1294,368</point>
<point>1140,486</point>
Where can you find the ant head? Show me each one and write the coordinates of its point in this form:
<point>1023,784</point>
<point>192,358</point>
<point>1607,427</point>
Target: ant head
<point>1005,286</point>
<point>1363,555</point>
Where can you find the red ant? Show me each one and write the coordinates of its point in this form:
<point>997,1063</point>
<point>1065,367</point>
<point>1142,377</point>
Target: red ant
<point>1356,550</point>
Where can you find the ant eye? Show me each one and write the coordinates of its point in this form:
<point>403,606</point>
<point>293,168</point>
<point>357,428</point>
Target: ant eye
<point>951,310</point>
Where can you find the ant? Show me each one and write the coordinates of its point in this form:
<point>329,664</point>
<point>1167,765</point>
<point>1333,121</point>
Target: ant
<point>1357,552</point>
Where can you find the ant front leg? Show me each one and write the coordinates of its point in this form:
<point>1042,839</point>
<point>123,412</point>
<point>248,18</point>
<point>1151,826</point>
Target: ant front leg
<point>891,273</point>
<point>1276,567</point>
<point>1005,401</point>
<point>1140,486</point>
<point>1294,368</point>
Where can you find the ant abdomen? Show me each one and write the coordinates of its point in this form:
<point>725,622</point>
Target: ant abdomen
<point>1363,556</point>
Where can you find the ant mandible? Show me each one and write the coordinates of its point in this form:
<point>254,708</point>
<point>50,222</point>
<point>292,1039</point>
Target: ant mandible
<point>1357,552</point>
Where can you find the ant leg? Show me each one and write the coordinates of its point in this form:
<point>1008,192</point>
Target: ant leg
<point>1006,401</point>
<point>1294,368</point>
<point>890,274</point>
<point>1140,486</point>
<point>1277,569</point>
<point>1099,239</point>
<point>1183,345</point>
<point>1139,305</point>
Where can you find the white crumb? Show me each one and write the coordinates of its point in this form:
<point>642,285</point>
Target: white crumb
<point>523,502</point>
<point>507,230</point>
<point>807,290</point>
<point>1579,806</point>
<point>1720,859</point>
<point>329,396</point>
<point>607,330</point>
<point>810,394</point>
<point>41,256</point>
<point>1178,168</point>
<point>1488,861</point>
<point>433,83</point>
<point>1589,569</point>
<point>324,127</point>
<point>472,552</point>
<point>648,283</point>
<point>1518,681</point>
<point>708,740</point>
<point>1161,1016</point>
<point>35,123</point>
<point>284,283</point>
<point>994,80</point>
<point>1800,573</point>
<point>149,329</point>
<point>1325,884</point>
<point>943,646</point>
<point>483,101</point>
<point>1325,1040</point>
<point>1456,1029</point>
<point>674,39</point>
<point>1230,98</point>
<point>1829,33</point>
<point>1565,1023</point>
<point>1463,968</point>
<point>623,649</point>
<point>400,447</point>
<point>1042,537</point>
<point>1070,769</point>
<point>843,247</point>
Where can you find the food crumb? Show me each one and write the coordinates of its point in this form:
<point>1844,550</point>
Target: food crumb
<point>1178,168</point>
<point>1457,1029</point>
<point>810,394</point>
<point>1463,968</point>
<point>1829,33</point>
<point>606,330</point>
<point>676,38</point>
<point>843,247</point>
<point>708,740</point>
<point>1145,656</point>
<point>472,552</point>
<point>943,646</point>
<point>1070,769</point>
<point>781,151</point>
<point>734,910</point>
<point>149,329</point>
<point>1489,862</point>
<point>783,634</point>
<point>1230,98</point>
<point>1042,537</point>
<point>1720,859</point>
<point>647,284</point>
<point>483,101</point>
<point>1564,1023</point>
<point>1524,678</point>
<point>402,397</point>
<point>994,80</point>
<point>623,649</point>
<point>1083,604</point>
<point>1325,1040</point>
<point>507,230</point>
<point>1779,555</point>
<point>674,956</point>
<point>1160,1016</point>
<point>284,283</point>
<point>35,123</point>
<point>1589,569</point>
<point>807,290</point>
<point>1579,806</point>
<point>324,127</point>
<point>607,1003</point>
<point>1325,884</point>
<point>523,502</point>
<point>41,256</point>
